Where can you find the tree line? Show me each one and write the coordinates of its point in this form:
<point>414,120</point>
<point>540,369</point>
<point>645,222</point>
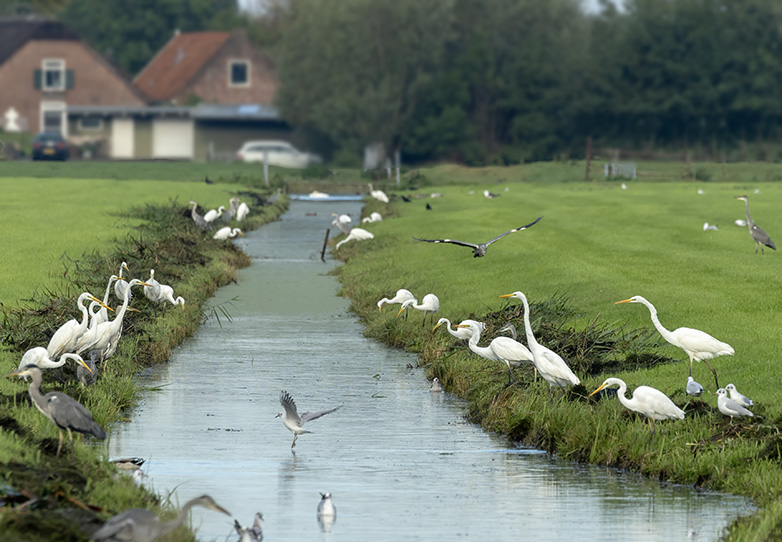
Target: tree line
<point>490,80</point>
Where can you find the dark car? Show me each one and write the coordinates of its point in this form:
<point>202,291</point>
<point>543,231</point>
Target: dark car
<point>50,146</point>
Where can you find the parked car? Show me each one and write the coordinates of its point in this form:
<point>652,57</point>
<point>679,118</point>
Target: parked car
<point>50,146</point>
<point>280,153</point>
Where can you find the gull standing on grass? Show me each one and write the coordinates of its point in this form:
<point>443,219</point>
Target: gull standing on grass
<point>729,407</point>
<point>693,388</point>
<point>291,418</point>
<point>743,400</point>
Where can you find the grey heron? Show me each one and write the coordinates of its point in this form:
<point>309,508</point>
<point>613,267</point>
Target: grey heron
<point>356,234</point>
<point>698,345</point>
<point>291,418</point>
<point>66,337</point>
<point>213,214</point>
<point>400,297</point>
<point>549,364</point>
<point>139,525</point>
<point>274,198</point>
<point>693,389</point>
<point>342,222</point>
<point>760,237</point>
<point>233,206</point>
<point>504,349</point>
<point>436,387</point>
<point>63,410</point>
<point>479,250</point>
<point>198,219</point>
<point>250,534</point>
<point>226,233</point>
<point>430,304</point>
<point>729,407</point>
<point>740,398</point>
<point>650,402</point>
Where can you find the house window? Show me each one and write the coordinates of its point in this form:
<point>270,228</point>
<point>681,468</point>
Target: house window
<point>53,117</point>
<point>90,123</point>
<point>239,73</point>
<point>53,74</point>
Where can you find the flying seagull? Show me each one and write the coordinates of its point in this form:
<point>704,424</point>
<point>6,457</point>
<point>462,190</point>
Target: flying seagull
<point>294,421</point>
<point>479,250</point>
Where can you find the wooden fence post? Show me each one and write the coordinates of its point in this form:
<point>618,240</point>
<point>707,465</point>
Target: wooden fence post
<point>588,156</point>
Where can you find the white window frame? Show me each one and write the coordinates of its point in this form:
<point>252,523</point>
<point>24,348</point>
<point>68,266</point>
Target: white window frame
<point>55,106</point>
<point>91,128</point>
<point>231,63</point>
<point>54,65</point>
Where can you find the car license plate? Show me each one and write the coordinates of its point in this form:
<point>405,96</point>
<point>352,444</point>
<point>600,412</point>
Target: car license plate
<point>48,151</point>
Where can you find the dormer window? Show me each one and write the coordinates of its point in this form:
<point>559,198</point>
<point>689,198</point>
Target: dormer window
<point>53,74</point>
<point>239,73</point>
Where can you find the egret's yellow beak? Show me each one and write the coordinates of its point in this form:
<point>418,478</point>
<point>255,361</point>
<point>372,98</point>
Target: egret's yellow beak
<point>101,303</point>
<point>507,295</point>
<point>83,364</point>
<point>183,305</point>
<point>400,312</point>
<point>623,301</point>
<point>435,327</point>
<point>145,284</point>
<point>597,390</point>
<point>133,310</point>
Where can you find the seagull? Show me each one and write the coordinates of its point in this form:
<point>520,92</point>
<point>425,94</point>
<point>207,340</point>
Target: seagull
<point>436,387</point>
<point>740,223</point>
<point>624,186</point>
<point>250,534</point>
<point>743,400</point>
<point>693,388</point>
<point>729,407</point>
<point>327,513</point>
<point>710,227</point>
<point>479,250</point>
<point>701,192</point>
<point>291,418</point>
<point>490,195</point>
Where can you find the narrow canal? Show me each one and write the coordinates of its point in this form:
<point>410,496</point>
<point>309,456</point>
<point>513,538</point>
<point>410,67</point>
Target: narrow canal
<point>400,462</point>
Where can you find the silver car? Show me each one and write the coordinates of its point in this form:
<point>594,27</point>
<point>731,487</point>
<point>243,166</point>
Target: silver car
<point>280,154</point>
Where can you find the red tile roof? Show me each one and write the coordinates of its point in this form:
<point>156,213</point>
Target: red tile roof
<point>177,63</point>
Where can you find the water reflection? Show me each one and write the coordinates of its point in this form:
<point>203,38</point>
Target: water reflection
<point>401,462</point>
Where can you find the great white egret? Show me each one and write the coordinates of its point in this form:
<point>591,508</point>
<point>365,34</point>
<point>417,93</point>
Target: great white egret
<point>693,389</point>
<point>65,338</point>
<point>710,227</point>
<point>504,349</point>
<point>64,411</point>
<point>401,296</point>
<point>430,304</point>
<point>436,387</point>
<point>648,401</point>
<point>242,211</point>
<point>479,250</point>
<point>462,331</point>
<point>39,357</point>
<point>549,364</point>
<point>741,399</point>
<point>108,333</point>
<point>89,337</point>
<point>167,294</point>
<point>139,525</point>
<point>378,194</point>
<point>374,217</point>
<point>212,214</point>
<point>152,292</point>
<point>698,345</point>
<point>103,313</point>
<point>291,418</point>
<point>342,222</point>
<point>729,407</point>
<point>760,237</point>
<point>225,233</point>
<point>121,283</point>
<point>356,234</point>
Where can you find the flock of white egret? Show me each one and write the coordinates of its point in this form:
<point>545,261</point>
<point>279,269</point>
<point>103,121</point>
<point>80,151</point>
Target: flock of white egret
<point>237,210</point>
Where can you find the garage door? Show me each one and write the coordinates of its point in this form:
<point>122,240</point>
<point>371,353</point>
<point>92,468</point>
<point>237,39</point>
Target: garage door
<point>172,138</point>
<point>122,138</point>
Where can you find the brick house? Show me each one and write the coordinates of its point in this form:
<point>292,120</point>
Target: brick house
<point>45,68</point>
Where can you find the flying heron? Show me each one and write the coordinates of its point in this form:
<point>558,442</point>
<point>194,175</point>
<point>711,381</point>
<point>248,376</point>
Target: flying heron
<point>697,344</point>
<point>139,525</point>
<point>760,237</point>
<point>63,410</point>
<point>479,250</point>
<point>650,402</point>
<point>291,418</point>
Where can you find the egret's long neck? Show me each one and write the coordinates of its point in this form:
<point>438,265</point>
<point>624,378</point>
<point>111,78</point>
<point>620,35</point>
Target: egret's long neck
<point>664,332</point>
<point>620,393</point>
<point>527,326</point>
<point>483,351</point>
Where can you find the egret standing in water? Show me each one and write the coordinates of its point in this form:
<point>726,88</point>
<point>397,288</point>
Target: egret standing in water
<point>650,402</point>
<point>63,410</point>
<point>549,364</point>
<point>698,345</point>
<point>139,525</point>
<point>291,418</point>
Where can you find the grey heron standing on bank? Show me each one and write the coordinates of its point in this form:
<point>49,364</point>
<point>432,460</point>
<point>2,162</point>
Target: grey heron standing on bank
<point>291,418</point>
<point>63,410</point>
<point>760,237</point>
<point>139,525</point>
<point>198,219</point>
<point>479,250</point>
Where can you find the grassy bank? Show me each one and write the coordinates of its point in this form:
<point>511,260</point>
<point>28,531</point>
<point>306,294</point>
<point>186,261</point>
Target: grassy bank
<point>64,498</point>
<point>596,244</point>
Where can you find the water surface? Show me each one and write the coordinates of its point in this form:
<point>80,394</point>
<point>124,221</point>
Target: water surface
<point>400,462</point>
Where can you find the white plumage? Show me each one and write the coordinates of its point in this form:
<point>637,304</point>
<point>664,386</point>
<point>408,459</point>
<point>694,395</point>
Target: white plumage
<point>225,233</point>
<point>429,304</point>
<point>743,400</point>
<point>401,296</point>
<point>511,353</point>
<point>356,234</point>
<point>729,407</point>
<point>648,401</point>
